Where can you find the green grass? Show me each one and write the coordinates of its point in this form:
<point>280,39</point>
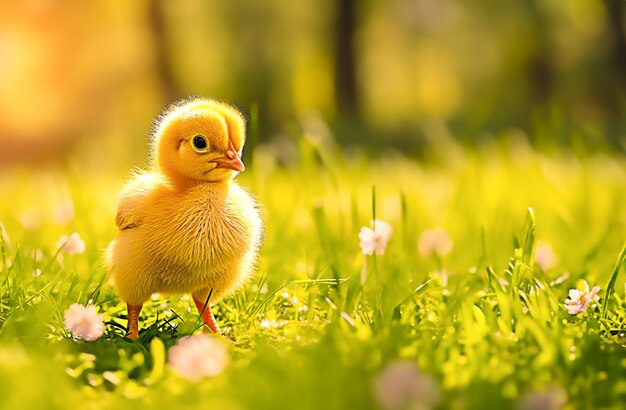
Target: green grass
<point>494,334</point>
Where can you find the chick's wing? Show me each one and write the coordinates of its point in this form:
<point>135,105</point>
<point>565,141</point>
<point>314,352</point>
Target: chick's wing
<point>133,200</point>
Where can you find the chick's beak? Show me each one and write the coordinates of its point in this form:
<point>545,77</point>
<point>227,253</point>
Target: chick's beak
<point>230,160</point>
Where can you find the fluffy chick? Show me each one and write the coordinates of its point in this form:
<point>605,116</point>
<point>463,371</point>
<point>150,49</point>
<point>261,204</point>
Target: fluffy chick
<point>184,225</point>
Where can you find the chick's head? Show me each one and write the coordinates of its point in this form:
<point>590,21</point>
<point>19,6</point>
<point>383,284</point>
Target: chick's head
<point>199,140</point>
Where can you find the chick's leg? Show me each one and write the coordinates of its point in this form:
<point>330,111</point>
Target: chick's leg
<point>200,298</point>
<point>133,320</point>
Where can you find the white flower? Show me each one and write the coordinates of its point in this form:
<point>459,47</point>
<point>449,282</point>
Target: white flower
<point>579,300</point>
<point>30,219</point>
<point>38,255</point>
<point>84,322</point>
<point>375,239</point>
<point>262,290</point>
<point>72,244</point>
<point>553,398</point>
<point>434,241</point>
<point>400,385</point>
<point>443,275</point>
<point>63,212</point>
<point>198,356</point>
<point>545,257</point>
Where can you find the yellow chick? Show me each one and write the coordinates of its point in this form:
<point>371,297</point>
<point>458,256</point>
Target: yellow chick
<point>184,225</point>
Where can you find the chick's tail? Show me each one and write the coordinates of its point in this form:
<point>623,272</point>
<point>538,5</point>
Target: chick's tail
<point>108,257</point>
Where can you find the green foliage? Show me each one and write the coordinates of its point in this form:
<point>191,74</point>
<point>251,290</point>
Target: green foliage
<point>319,321</point>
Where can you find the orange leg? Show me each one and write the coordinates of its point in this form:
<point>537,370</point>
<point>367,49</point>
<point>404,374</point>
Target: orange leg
<point>207,316</point>
<point>133,321</point>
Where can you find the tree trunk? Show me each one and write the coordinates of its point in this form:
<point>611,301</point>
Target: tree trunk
<point>345,65</point>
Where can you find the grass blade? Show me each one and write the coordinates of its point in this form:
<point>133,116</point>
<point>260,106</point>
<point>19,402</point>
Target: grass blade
<point>611,285</point>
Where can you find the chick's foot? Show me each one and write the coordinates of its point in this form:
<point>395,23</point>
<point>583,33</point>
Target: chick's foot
<point>207,315</point>
<point>133,320</point>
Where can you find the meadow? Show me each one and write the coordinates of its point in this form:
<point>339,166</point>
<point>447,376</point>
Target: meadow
<point>478,322</point>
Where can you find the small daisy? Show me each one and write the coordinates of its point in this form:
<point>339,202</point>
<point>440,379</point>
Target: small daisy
<point>579,300</point>
<point>400,385</point>
<point>553,398</point>
<point>434,241</point>
<point>31,219</point>
<point>199,356</point>
<point>84,322</point>
<point>63,213</point>
<point>545,257</point>
<point>375,239</point>
<point>71,245</point>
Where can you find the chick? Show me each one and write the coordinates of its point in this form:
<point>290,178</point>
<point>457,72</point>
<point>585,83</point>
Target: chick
<point>184,225</point>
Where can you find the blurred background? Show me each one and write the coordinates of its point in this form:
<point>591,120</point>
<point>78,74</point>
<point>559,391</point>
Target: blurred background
<point>374,74</point>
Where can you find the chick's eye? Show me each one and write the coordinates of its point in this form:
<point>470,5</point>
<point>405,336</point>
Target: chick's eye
<point>200,143</point>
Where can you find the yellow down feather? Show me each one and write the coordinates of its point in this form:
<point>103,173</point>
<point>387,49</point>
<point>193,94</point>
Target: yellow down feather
<point>184,224</point>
